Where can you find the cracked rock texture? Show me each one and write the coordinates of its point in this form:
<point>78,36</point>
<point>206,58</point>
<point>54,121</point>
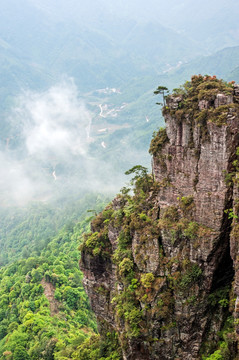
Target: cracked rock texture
<point>184,236</point>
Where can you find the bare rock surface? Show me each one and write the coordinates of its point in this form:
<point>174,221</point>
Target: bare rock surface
<point>49,292</point>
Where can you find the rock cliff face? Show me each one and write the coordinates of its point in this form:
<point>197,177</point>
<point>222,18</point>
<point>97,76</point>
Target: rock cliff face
<point>161,267</point>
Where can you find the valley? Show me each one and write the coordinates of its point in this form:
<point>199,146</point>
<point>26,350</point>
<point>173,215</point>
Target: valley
<point>77,111</point>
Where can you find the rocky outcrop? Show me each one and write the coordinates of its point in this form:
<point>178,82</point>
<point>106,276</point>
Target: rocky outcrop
<point>49,292</point>
<point>161,267</point>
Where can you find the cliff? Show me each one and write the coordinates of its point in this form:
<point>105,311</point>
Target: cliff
<point>161,266</point>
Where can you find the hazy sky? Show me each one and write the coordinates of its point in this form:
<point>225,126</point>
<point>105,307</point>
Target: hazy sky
<point>196,19</point>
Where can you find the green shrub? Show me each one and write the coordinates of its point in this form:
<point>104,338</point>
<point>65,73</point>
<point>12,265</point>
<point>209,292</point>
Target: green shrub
<point>159,139</point>
<point>125,266</point>
<point>192,275</point>
<point>191,230</point>
<point>147,280</point>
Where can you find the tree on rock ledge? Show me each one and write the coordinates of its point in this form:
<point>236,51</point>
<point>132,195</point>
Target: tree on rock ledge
<point>161,90</point>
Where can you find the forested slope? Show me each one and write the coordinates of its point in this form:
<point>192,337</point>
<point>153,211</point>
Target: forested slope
<point>44,310</point>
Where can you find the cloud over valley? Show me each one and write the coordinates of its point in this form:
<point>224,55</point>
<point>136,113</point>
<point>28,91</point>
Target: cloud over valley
<point>47,153</point>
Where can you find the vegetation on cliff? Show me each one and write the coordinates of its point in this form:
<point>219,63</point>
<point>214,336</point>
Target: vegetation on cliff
<point>158,255</point>
<point>147,258</point>
<point>204,98</point>
<point>132,305</point>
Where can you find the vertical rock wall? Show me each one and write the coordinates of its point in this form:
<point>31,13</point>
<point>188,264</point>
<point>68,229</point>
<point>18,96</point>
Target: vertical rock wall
<point>161,268</point>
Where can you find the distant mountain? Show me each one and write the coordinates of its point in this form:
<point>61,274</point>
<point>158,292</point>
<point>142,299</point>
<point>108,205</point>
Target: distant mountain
<point>111,50</point>
<point>223,64</point>
<point>110,46</point>
<point>102,46</point>
<point>234,74</point>
<point>212,25</point>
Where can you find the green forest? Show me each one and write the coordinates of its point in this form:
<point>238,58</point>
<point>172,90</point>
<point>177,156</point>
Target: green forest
<point>44,310</point>
<point>89,271</point>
